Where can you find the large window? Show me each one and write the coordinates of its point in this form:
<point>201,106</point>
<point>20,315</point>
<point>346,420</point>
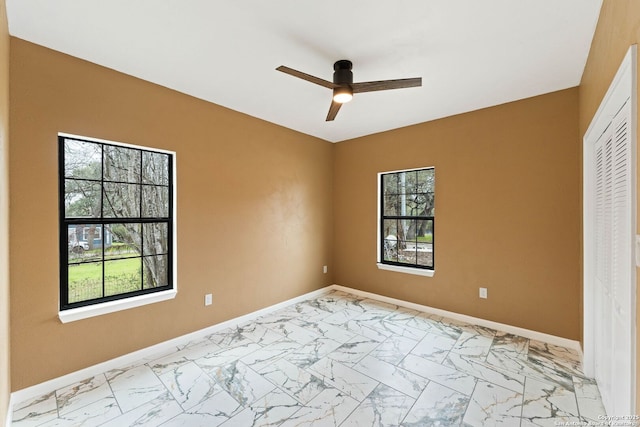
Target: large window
<point>407,219</point>
<point>116,221</point>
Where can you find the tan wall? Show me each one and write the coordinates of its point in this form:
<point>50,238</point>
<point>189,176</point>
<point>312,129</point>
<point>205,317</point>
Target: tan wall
<point>254,209</point>
<point>618,28</point>
<point>5,384</point>
<point>507,212</point>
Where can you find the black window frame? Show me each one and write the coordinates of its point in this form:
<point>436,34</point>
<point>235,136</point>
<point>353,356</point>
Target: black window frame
<point>103,221</point>
<point>382,217</point>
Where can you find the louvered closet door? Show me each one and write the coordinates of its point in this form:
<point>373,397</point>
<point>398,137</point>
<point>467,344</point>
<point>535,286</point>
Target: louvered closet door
<point>614,262</point>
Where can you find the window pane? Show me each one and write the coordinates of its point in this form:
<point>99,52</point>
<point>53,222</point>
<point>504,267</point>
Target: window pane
<point>409,185</point>
<point>121,164</point>
<point>390,240</point>
<point>390,228</point>
<point>81,199</point>
<point>82,159</point>
<point>405,227</point>
<point>85,282</point>
<point>425,258</point>
<point>156,271</point>
<point>425,243</point>
<point>426,181</point>
<point>391,205</point>
<point>122,276</point>
<point>390,183</point>
<point>155,202</point>
<point>155,168</point>
<point>123,241</point>
<point>390,249</point>
<point>121,200</point>
<point>406,252</point>
<point>429,209</point>
<point>84,243</point>
<point>415,204</point>
<point>156,238</point>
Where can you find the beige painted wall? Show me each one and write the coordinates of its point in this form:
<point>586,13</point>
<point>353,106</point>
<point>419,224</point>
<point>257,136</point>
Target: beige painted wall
<point>254,209</point>
<point>507,212</point>
<point>5,383</point>
<point>618,28</point>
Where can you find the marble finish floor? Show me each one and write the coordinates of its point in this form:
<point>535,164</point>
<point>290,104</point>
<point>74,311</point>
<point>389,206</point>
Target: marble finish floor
<point>335,360</point>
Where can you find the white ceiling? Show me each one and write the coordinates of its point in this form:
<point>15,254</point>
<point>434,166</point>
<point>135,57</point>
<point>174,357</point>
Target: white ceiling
<point>471,54</point>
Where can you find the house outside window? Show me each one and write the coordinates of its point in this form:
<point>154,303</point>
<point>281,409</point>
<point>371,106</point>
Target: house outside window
<point>406,226</point>
<point>116,206</point>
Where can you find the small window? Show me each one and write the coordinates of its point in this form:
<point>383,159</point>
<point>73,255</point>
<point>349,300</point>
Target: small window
<point>116,221</point>
<point>407,220</point>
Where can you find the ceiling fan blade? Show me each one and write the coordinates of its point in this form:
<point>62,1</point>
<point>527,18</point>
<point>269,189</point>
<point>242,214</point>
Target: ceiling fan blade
<point>333,110</point>
<point>386,84</point>
<point>307,77</point>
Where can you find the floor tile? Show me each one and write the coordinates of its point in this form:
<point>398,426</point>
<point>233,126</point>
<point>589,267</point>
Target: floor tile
<point>189,385</point>
<point>354,350</point>
<point>589,401</point>
<point>400,379</point>
<point>269,354</point>
<point>270,410</point>
<point>437,406</point>
<point>294,380</point>
<point>310,353</point>
<point>434,347</point>
<point>36,411</point>
<point>329,408</point>
<point>150,414</point>
<point>548,403</point>
<point>443,375</point>
<point>96,413</point>
<point>242,383</point>
<point>492,405</point>
<point>469,344</point>
<point>334,360</point>
<point>482,371</point>
<point>214,411</point>
<point>343,378</point>
<point>394,349</point>
<point>82,394</point>
<point>383,407</point>
<point>135,386</point>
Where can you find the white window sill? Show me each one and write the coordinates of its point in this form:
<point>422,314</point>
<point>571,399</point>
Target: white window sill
<point>407,270</point>
<point>80,313</point>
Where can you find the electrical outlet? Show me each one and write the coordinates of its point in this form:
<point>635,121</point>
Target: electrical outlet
<point>208,299</point>
<point>325,269</point>
<point>483,293</point>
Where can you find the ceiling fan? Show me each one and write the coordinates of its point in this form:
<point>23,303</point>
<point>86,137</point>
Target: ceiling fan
<point>343,86</point>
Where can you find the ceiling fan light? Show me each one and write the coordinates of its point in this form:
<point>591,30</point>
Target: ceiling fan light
<point>342,94</point>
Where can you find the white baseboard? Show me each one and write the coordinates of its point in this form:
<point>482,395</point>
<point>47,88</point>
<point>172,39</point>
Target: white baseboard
<point>155,350</point>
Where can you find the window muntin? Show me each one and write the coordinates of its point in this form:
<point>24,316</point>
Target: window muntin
<point>116,221</point>
<point>407,218</point>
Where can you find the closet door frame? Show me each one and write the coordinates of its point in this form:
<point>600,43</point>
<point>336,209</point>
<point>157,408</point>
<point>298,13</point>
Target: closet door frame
<point>623,89</point>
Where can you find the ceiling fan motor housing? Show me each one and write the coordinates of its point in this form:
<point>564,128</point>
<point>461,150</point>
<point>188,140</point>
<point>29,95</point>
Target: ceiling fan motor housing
<point>342,74</point>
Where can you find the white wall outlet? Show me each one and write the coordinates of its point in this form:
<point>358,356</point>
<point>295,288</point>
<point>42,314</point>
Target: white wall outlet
<point>208,299</point>
<point>483,293</point>
<point>325,269</point>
